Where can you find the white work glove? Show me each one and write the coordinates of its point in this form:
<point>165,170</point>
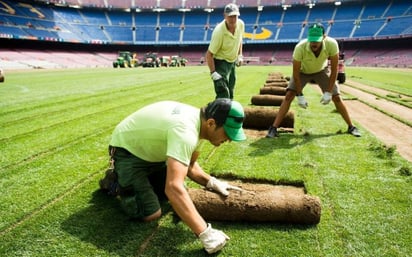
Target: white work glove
<point>327,96</point>
<point>239,60</point>
<point>220,186</point>
<point>212,239</point>
<point>302,101</point>
<point>215,76</point>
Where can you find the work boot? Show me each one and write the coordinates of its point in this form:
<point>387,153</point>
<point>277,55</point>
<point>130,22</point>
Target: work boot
<point>354,131</point>
<point>109,183</point>
<point>272,132</point>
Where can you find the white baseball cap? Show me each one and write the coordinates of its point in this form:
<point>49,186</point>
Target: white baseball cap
<point>232,9</point>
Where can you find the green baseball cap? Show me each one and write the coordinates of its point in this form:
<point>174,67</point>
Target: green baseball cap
<point>315,33</point>
<point>230,114</point>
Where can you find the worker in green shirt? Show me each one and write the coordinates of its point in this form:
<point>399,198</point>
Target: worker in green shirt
<point>225,52</point>
<point>154,149</point>
<point>310,64</point>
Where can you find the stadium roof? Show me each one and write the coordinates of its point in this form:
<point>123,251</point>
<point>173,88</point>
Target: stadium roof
<point>177,4</point>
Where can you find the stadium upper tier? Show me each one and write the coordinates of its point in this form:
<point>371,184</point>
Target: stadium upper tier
<point>175,4</point>
<point>352,20</point>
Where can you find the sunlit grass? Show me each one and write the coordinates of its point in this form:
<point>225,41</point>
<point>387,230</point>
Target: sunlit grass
<point>54,131</point>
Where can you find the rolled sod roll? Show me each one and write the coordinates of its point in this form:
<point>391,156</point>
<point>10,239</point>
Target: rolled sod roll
<point>275,74</point>
<point>262,118</point>
<point>272,91</point>
<point>267,100</point>
<point>258,202</point>
<point>268,80</point>
<point>276,84</point>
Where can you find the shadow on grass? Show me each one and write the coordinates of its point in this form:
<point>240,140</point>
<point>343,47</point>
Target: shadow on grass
<point>258,225</point>
<point>264,146</point>
<point>180,242</point>
<point>104,225</point>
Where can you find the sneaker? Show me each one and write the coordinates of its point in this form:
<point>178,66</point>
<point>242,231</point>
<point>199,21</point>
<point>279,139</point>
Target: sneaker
<point>272,132</point>
<point>109,183</point>
<point>354,131</point>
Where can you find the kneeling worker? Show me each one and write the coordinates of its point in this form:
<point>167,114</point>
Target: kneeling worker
<point>155,148</point>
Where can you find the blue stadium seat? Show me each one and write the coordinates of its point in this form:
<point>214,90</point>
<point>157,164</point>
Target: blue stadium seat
<point>352,19</point>
<point>95,17</point>
<point>341,29</point>
<point>368,28</point>
<point>321,13</point>
<point>374,10</point>
<point>195,33</point>
<point>120,18</point>
<point>169,33</point>
<point>399,8</point>
<point>348,11</point>
<point>397,26</point>
<point>295,14</point>
<point>120,34</point>
<point>270,15</point>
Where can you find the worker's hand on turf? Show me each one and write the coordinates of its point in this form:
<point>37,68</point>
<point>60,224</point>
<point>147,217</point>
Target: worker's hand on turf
<point>215,76</point>
<point>239,60</point>
<point>221,186</point>
<point>327,96</point>
<point>212,239</point>
<point>302,102</point>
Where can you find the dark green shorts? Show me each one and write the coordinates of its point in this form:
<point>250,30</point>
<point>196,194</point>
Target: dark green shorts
<point>143,183</point>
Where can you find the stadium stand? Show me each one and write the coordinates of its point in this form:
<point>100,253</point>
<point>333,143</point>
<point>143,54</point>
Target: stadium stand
<point>272,28</point>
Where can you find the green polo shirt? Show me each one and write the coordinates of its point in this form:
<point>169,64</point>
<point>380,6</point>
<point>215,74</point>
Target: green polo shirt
<point>225,45</point>
<point>309,62</point>
<point>160,130</point>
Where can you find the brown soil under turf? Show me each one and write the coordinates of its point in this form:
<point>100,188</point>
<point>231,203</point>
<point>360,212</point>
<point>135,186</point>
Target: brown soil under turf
<point>389,130</point>
<point>365,110</point>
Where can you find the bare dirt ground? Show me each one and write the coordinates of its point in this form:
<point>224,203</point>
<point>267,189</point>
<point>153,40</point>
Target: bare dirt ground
<point>387,129</point>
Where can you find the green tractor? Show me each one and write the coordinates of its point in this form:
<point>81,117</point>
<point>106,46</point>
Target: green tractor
<point>151,60</point>
<point>183,61</point>
<point>126,59</point>
<point>178,61</point>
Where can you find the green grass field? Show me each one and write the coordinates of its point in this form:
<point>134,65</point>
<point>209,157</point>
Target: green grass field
<point>54,131</point>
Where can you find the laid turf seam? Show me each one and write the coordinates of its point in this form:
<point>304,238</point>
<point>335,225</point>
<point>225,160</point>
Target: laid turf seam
<point>331,208</point>
<point>211,154</point>
<point>70,100</point>
<point>58,124</point>
<point>55,149</point>
<point>63,122</point>
<point>98,97</point>
<point>50,203</point>
<point>78,118</point>
<point>390,99</point>
<point>406,122</point>
<point>72,189</point>
<point>70,142</point>
<point>147,86</point>
<point>147,241</point>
